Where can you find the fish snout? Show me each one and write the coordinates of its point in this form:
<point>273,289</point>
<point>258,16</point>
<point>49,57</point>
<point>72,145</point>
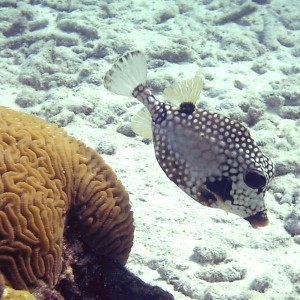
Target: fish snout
<point>260,219</point>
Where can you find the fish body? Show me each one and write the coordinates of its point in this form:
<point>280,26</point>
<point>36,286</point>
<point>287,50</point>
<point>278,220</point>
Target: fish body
<point>209,156</point>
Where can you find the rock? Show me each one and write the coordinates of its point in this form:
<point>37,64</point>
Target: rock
<point>16,28</point>
<point>126,130</point>
<point>204,254</point>
<point>63,118</point>
<point>262,1</point>
<point>239,84</point>
<point>105,148</point>
<point>292,221</point>
<point>27,98</point>
<point>222,273</point>
<point>260,67</point>
<point>290,112</point>
<point>260,284</point>
<point>80,105</point>
<point>167,13</point>
<point>84,30</point>
<point>63,39</point>
<point>32,79</point>
<point>8,3</point>
<point>273,101</point>
<point>176,54</point>
<point>38,24</point>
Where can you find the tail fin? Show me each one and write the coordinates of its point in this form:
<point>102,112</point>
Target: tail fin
<point>127,73</point>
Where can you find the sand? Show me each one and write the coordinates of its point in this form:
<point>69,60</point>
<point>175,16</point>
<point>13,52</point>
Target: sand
<point>53,56</point>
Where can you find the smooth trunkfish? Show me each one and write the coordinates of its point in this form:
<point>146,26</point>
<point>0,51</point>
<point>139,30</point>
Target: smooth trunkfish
<point>209,156</point>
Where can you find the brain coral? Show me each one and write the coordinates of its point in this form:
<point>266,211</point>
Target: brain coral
<point>44,175</point>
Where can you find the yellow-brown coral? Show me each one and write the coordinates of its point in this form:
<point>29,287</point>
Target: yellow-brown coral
<point>11,294</point>
<point>44,175</point>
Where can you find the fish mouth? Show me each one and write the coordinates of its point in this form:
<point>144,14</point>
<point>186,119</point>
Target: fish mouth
<point>260,219</point>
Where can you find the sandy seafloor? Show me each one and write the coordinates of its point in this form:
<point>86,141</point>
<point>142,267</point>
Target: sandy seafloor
<point>53,56</point>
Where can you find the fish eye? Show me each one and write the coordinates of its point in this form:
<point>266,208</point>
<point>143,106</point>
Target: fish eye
<point>254,179</point>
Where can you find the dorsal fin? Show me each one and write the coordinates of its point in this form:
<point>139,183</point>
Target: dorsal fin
<point>185,91</point>
<point>141,123</point>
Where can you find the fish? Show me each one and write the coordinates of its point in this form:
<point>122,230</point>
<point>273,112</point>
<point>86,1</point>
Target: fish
<point>211,157</point>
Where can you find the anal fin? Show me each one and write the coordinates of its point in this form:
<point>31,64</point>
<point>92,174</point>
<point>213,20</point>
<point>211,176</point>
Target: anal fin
<point>141,124</point>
